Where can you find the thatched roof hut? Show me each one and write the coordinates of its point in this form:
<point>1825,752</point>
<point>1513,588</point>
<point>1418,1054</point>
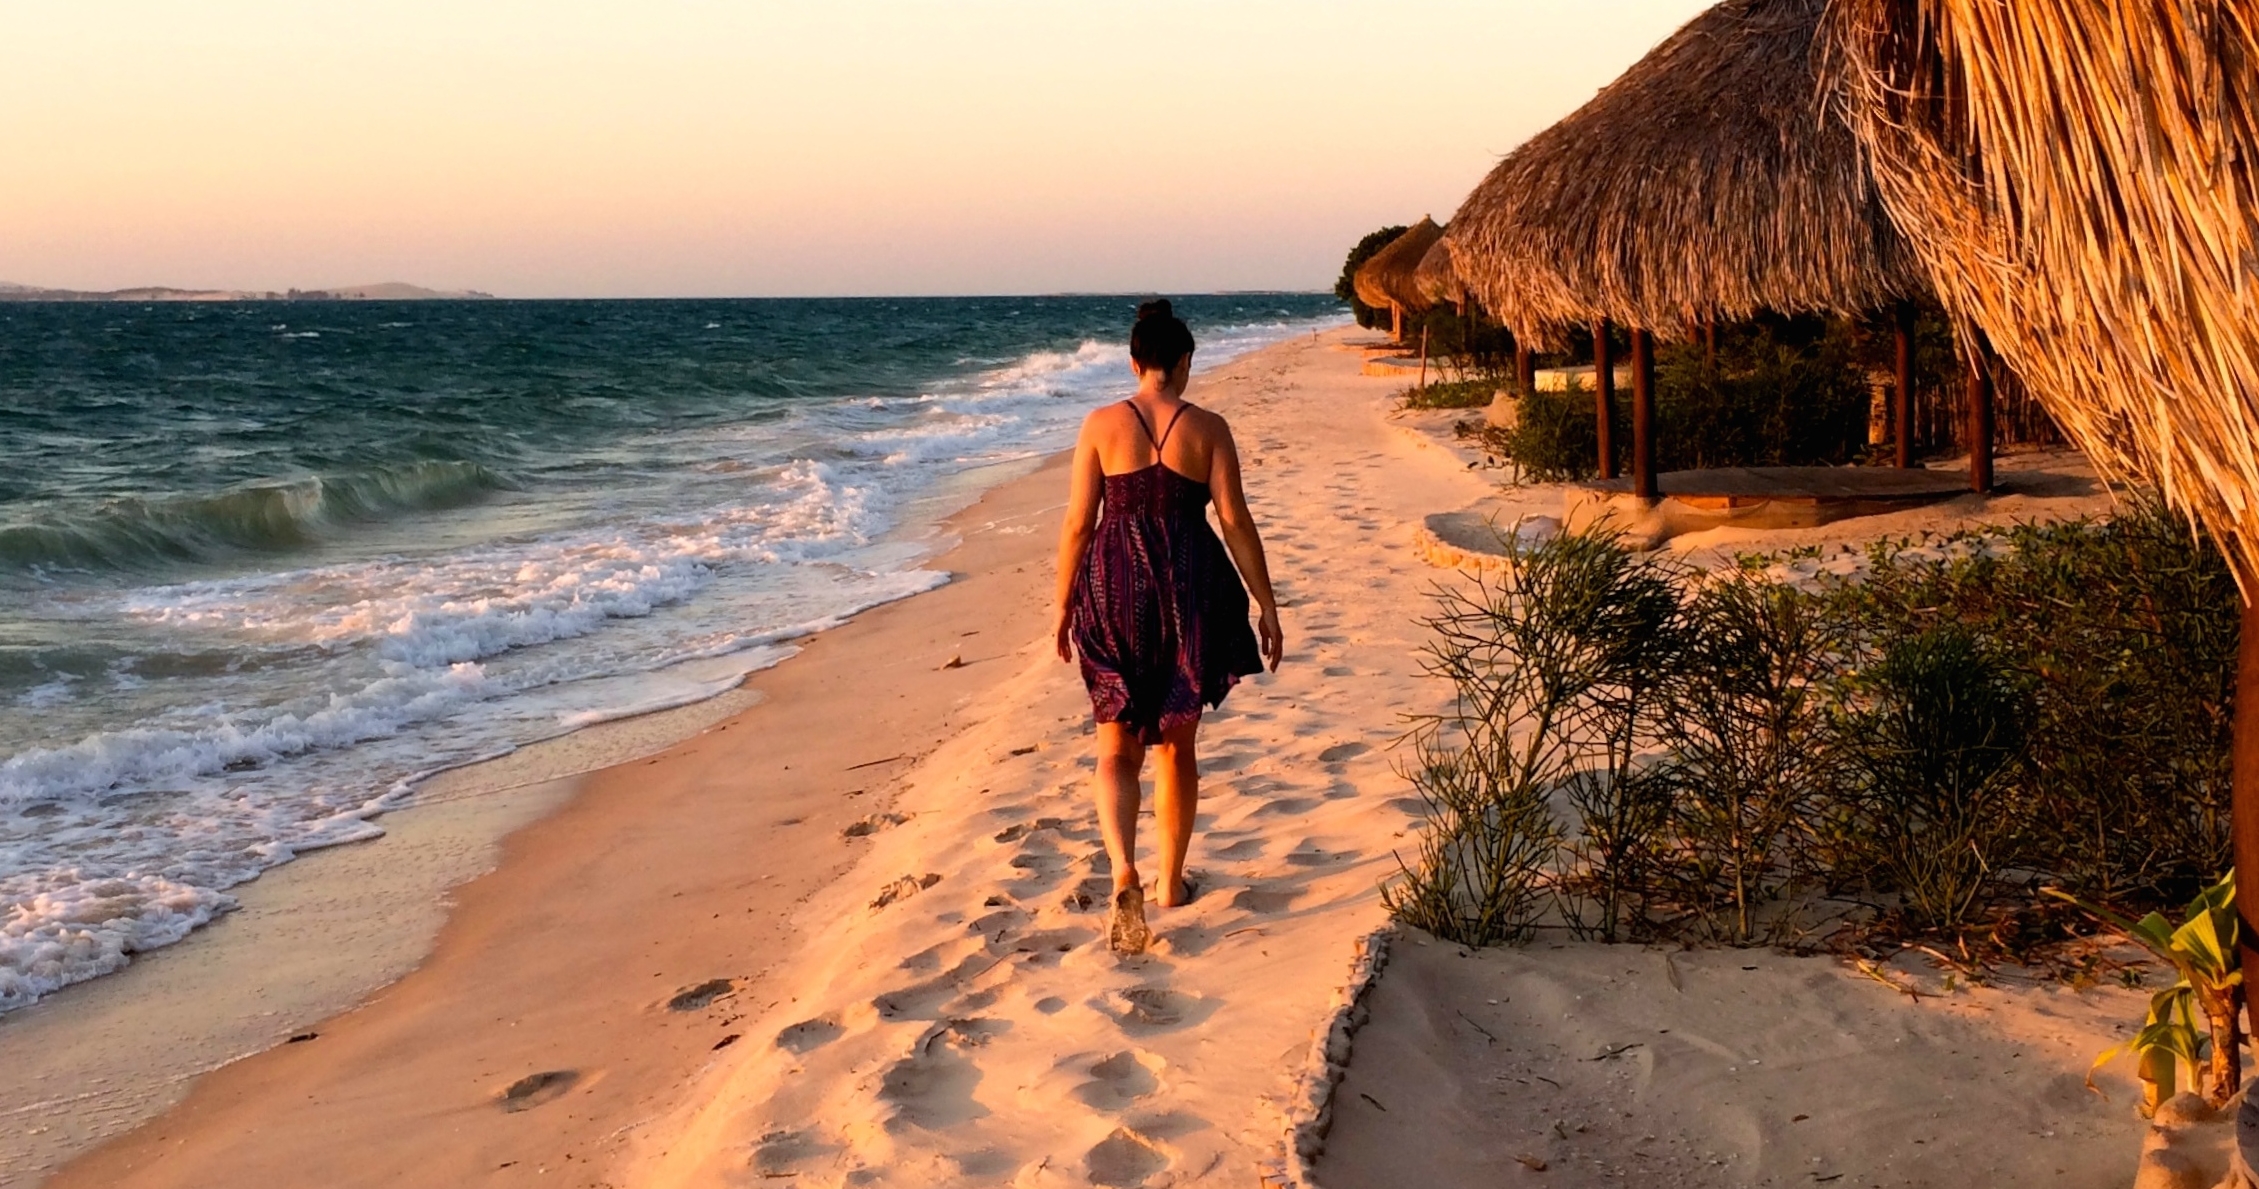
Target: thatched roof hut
<point>2078,179</point>
<point>1385,281</point>
<point>1436,280</point>
<point>1712,181</point>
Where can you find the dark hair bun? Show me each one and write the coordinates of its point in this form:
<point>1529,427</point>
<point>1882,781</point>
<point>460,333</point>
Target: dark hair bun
<point>1159,339</point>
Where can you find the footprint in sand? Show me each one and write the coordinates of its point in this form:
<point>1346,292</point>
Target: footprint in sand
<point>1284,805</point>
<point>784,1153</point>
<point>535,1089</point>
<point>1343,751</point>
<point>1153,1009</point>
<point>809,1035</point>
<point>1265,901</point>
<point>1124,1160</point>
<point>699,997</point>
<point>904,888</point>
<point>1245,848</point>
<point>873,824</point>
<point>932,1088</point>
<point>1120,1080</point>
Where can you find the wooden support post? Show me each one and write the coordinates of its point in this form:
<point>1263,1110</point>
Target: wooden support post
<point>1643,415</point>
<point>1396,322</point>
<point>1423,358</point>
<point>1525,369</point>
<point>1604,396</point>
<point>2243,815</point>
<point>1902,386</point>
<point>1710,343</point>
<point>1980,415</point>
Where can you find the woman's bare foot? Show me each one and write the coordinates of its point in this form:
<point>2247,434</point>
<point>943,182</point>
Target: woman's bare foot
<point>1127,932</point>
<point>1187,887</point>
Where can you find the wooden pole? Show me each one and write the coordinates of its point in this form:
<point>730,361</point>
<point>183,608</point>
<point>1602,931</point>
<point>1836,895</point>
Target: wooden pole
<point>1396,322</point>
<point>1604,396</point>
<point>1423,358</point>
<point>1902,386</point>
<point>1525,368</point>
<point>2243,753</point>
<point>1643,415</point>
<point>1980,415</point>
<point>1710,343</point>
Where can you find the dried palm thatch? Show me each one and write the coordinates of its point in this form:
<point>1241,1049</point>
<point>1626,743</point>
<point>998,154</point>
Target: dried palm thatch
<point>1436,280</point>
<point>1713,180</point>
<point>1386,279</point>
<point>2078,179</point>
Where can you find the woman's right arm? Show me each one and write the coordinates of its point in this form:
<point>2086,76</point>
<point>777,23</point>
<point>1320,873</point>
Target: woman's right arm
<point>1085,481</point>
<point>1245,544</point>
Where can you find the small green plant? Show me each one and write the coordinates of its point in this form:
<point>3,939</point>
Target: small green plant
<point>1453,394</point>
<point>1540,657</point>
<point>1751,763</point>
<point>1931,739</point>
<point>2203,949</point>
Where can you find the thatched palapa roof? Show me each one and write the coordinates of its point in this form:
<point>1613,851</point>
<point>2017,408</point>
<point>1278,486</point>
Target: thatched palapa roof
<point>1436,280</point>
<point>1386,279</point>
<point>1710,181</point>
<point>2078,178</point>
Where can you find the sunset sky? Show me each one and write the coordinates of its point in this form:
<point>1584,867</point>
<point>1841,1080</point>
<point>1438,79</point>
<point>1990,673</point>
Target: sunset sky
<point>700,147</point>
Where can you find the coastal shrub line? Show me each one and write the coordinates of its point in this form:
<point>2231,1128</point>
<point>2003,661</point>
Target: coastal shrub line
<point>1911,741</point>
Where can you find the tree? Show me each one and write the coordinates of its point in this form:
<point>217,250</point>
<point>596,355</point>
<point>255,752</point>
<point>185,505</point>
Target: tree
<point>1346,287</point>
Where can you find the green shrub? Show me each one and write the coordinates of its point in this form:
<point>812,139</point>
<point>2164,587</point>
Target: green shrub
<point>1556,435</point>
<point>1546,660</point>
<point>1346,287</point>
<point>1453,394</point>
<point>1752,765</point>
<point>1933,738</point>
<point>1635,750</point>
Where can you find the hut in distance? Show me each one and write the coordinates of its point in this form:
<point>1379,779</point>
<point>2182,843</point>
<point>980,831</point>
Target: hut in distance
<point>1386,280</point>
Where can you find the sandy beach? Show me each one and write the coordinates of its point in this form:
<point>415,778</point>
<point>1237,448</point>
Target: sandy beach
<point>850,931</point>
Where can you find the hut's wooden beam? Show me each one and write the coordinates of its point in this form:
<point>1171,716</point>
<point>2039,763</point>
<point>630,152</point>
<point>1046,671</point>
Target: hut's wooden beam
<point>1525,369</point>
<point>1710,343</point>
<point>2243,813</point>
<point>1604,396</point>
<point>1643,415</point>
<point>1902,385</point>
<point>1980,416</point>
<point>1396,321</point>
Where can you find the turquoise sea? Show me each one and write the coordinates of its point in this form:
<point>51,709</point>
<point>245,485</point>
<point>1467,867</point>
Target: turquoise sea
<point>262,565</point>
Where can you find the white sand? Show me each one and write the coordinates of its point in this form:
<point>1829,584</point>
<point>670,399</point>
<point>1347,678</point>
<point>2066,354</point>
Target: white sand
<point>918,997</point>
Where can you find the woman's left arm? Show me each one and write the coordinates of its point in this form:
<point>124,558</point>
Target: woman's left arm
<point>1085,483</point>
<point>1245,544</point>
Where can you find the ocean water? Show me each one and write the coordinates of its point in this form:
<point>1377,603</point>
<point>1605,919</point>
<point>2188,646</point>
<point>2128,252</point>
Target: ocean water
<point>262,565</point>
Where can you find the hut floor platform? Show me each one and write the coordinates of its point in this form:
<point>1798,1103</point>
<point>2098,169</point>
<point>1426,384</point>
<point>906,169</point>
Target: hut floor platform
<point>1760,497</point>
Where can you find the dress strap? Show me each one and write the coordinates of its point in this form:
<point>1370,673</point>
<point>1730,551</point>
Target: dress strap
<point>1144,425</point>
<point>1172,428</point>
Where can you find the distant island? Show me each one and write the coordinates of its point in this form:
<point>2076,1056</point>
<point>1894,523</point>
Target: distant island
<point>381,291</point>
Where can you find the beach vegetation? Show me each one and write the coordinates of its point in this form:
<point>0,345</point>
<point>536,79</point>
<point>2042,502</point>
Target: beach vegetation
<point>1857,751</point>
<point>1780,392</point>
<point>1473,393</point>
<point>1367,316</point>
<point>2203,949</point>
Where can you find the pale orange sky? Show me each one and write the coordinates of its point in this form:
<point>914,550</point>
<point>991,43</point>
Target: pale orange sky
<point>697,147</point>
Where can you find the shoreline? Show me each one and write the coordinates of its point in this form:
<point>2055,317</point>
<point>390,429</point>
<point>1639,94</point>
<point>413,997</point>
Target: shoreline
<point>106,1056</point>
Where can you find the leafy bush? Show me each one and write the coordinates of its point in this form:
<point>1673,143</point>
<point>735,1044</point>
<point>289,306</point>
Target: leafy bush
<point>1765,402</point>
<point>1933,736</point>
<point>1453,394</point>
<point>1346,287</point>
<point>1637,750</point>
<point>1546,661</point>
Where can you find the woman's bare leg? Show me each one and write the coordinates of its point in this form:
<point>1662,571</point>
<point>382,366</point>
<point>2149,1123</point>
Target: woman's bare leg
<point>1176,801</point>
<point>1120,758</point>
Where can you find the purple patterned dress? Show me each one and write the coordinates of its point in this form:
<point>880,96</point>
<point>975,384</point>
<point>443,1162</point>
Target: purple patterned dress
<point>1160,616</point>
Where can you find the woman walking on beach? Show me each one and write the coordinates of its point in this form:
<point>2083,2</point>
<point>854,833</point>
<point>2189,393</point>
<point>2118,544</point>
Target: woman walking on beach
<point>1148,598</point>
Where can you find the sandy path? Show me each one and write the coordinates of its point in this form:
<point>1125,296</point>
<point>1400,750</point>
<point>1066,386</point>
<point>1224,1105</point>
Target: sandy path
<point>969,1031</point>
<point>1752,1068</point>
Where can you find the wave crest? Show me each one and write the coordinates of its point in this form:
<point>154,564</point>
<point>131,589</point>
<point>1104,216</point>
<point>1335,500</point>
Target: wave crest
<point>263,517</point>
